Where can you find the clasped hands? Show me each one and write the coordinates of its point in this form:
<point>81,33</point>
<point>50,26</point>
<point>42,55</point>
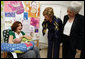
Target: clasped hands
<point>18,40</point>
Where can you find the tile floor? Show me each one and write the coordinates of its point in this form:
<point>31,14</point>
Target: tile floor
<point>43,53</point>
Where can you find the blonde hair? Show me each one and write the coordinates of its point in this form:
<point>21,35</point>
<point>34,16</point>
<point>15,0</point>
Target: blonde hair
<point>49,12</point>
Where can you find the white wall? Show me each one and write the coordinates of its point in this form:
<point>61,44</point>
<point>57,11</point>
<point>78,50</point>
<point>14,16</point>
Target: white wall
<point>66,3</point>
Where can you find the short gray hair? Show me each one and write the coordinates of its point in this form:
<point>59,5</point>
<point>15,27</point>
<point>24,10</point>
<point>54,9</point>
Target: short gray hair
<point>75,6</point>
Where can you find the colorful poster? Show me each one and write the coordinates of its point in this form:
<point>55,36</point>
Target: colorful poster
<point>2,21</point>
<point>6,7</point>
<point>8,24</point>
<point>2,24</point>
<point>34,22</point>
<point>25,15</point>
<point>9,14</point>
<point>2,5</point>
<point>8,21</point>
<point>36,30</point>
<point>26,5</point>
<point>36,36</point>
<point>14,6</point>
<point>32,28</point>
<point>33,8</point>
<point>26,25</point>
<point>19,17</point>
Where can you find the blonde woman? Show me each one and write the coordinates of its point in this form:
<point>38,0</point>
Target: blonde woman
<point>54,26</point>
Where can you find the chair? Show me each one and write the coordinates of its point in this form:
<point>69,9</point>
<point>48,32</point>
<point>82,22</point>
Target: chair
<point>6,37</point>
<point>8,54</point>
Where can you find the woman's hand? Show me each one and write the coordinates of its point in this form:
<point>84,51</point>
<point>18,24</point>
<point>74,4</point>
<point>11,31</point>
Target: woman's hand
<point>11,39</point>
<point>17,40</point>
<point>28,37</point>
<point>21,37</point>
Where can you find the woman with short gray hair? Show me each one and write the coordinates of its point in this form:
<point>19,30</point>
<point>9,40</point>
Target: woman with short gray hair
<point>73,30</point>
<point>75,6</point>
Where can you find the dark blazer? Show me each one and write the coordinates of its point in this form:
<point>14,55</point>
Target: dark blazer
<point>77,31</point>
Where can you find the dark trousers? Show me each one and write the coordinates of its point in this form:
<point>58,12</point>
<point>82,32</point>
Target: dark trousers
<point>34,53</point>
<point>68,50</point>
<point>82,54</point>
<point>53,48</point>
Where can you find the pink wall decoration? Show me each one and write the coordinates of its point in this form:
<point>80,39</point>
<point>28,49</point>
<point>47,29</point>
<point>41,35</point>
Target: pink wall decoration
<point>6,7</point>
<point>35,22</point>
<point>15,6</point>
